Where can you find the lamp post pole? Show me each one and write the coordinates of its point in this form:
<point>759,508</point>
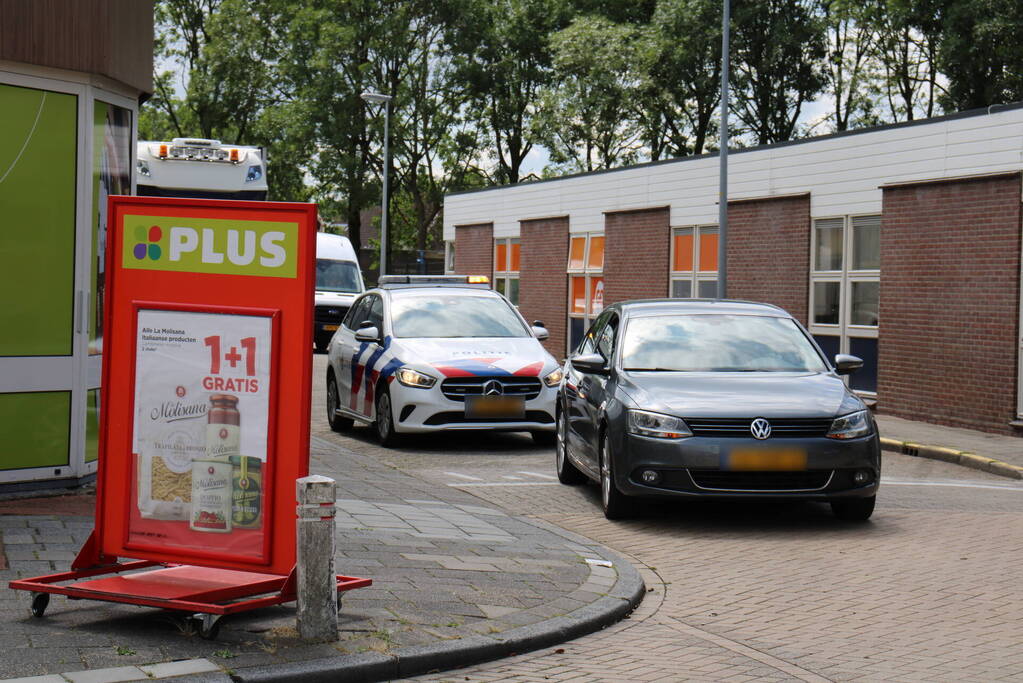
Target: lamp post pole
<point>379,98</point>
<point>723,158</point>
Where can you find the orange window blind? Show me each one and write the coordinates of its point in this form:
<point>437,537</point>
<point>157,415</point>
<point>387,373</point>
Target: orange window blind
<point>515,256</point>
<point>596,255</point>
<point>578,303</point>
<point>502,257</point>
<point>596,295</point>
<point>683,259</point>
<point>576,254</point>
<point>708,251</point>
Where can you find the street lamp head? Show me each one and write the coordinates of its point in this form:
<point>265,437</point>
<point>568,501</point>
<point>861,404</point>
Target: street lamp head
<point>375,97</point>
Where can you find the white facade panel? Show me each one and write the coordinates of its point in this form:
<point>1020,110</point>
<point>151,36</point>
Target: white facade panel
<point>843,175</point>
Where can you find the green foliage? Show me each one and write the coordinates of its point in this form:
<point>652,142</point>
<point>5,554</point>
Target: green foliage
<point>587,118</point>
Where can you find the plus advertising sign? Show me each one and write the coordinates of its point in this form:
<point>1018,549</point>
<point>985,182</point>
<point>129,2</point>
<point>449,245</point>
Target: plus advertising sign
<point>206,381</point>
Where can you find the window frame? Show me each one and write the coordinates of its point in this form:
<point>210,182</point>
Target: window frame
<point>846,277</point>
<point>503,277</point>
<point>589,274</point>
<point>694,276</point>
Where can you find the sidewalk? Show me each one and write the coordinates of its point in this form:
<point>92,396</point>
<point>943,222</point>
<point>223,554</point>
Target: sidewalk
<point>455,583</point>
<point>994,453</point>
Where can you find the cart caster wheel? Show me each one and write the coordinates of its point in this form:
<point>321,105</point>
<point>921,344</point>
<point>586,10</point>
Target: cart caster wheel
<point>208,625</point>
<point>39,603</point>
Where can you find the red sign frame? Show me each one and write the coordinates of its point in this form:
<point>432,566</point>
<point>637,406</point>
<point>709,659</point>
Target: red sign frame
<point>286,301</point>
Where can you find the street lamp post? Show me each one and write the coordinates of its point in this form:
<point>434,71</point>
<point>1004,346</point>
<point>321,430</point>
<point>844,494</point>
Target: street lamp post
<point>723,158</point>
<point>380,98</point>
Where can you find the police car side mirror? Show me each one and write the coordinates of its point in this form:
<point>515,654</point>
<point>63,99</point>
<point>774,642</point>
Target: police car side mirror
<point>539,331</point>
<point>367,334</point>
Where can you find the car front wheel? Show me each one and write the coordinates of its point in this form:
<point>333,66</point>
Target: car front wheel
<point>854,509</point>
<point>385,419</point>
<point>616,505</point>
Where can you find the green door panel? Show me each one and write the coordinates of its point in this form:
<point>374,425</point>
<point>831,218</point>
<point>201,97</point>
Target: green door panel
<point>36,428</point>
<point>38,152</point>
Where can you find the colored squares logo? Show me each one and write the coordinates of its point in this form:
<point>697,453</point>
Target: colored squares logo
<point>147,243</point>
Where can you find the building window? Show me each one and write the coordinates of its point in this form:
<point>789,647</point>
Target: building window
<point>694,262</point>
<point>845,282</point>
<point>585,284</point>
<point>506,268</point>
<point>449,256</point>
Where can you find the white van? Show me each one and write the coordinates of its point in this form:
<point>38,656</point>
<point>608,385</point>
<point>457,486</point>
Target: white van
<point>338,282</point>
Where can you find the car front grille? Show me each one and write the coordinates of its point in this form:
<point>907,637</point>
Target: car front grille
<point>330,314</point>
<point>453,417</point>
<point>719,480</point>
<point>739,427</point>
<point>457,388</point>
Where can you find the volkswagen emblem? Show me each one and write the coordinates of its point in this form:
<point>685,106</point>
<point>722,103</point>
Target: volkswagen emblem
<point>495,388</point>
<point>760,428</point>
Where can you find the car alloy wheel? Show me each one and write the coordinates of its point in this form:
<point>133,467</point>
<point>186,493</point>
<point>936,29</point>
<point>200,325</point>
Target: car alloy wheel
<point>567,472</point>
<point>385,420</point>
<point>614,502</point>
<point>337,423</point>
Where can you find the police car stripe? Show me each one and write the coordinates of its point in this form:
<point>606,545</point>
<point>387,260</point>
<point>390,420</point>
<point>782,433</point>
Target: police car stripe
<point>370,381</point>
<point>357,369</point>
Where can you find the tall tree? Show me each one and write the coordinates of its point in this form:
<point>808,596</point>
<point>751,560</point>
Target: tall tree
<point>980,51</point>
<point>682,70</point>
<point>501,58</point>
<point>778,48</point>
<point>849,69</point>
<point>587,117</point>
<point>906,50</point>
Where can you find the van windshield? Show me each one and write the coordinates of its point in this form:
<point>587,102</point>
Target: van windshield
<point>337,276</point>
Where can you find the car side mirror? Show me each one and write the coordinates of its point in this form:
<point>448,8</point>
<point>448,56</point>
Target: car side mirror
<point>592,363</point>
<point>539,331</point>
<point>367,334</point>
<point>846,364</point>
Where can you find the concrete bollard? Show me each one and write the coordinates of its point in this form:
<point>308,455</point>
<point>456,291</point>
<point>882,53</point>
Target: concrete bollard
<point>316,582</point>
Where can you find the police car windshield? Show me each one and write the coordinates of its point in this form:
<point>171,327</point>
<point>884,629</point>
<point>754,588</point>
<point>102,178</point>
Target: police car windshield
<point>438,315</point>
<point>337,276</point>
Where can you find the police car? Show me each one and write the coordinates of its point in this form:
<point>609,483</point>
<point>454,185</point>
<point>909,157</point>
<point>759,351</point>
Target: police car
<point>428,353</point>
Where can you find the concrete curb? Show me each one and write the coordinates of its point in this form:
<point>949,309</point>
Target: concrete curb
<point>962,458</point>
<point>621,598</point>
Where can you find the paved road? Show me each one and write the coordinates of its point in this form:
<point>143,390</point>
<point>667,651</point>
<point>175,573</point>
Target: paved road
<point>928,590</point>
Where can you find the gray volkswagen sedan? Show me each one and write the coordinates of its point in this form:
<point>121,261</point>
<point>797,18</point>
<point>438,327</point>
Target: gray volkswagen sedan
<point>713,399</point>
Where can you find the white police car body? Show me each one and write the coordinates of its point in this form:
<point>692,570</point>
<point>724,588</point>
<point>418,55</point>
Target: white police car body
<point>425,354</point>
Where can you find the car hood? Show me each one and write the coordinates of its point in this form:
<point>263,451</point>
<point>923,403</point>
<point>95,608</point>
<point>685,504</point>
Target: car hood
<point>476,357</point>
<point>334,298</point>
<point>721,394</point>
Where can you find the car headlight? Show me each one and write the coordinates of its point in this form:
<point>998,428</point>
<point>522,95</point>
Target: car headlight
<point>411,378</point>
<point>851,426</point>
<point>657,425</point>
<point>554,378</point>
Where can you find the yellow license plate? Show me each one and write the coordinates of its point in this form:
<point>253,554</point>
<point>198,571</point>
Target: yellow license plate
<point>766,459</point>
<point>495,406</point>
<point>329,328</point>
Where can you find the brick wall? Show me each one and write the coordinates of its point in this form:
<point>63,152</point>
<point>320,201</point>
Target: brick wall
<point>769,252</point>
<point>543,284</point>
<point>950,270</point>
<point>637,246</point>
<point>474,249</point>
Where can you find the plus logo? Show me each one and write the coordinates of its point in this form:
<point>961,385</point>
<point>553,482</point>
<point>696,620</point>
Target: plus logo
<point>147,243</point>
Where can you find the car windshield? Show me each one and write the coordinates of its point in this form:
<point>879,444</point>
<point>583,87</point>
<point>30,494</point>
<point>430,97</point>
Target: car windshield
<point>437,315</point>
<point>337,276</point>
<point>718,343</point>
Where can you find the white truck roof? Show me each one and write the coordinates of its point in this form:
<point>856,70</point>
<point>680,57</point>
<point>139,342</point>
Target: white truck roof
<point>335,247</point>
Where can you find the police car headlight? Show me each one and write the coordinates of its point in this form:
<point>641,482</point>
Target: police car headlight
<point>411,378</point>
<point>554,378</point>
